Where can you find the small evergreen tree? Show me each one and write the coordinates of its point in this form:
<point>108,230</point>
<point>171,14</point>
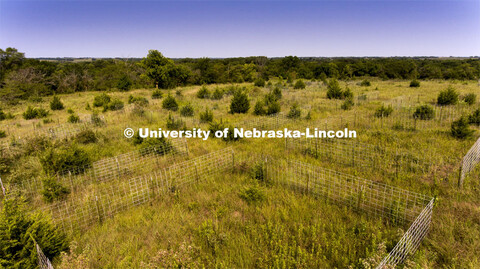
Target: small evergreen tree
<point>333,90</point>
<point>101,100</point>
<point>470,99</point>
<point>206,116</point>
<point>240,102</point>
<point>258,108</point>
<point>347,104</point>
<point>56,104</point>
<point>294,112</point>
<point>52,190</point>
<point>273,108</point>
<point>187,110</point>
<point>170,103</point>
<point>299,85</point>
<point>460,128</point>
<point>217,94</point>
<point>475,117</point>
<point>124,83</point>
<point>277,93</point>
<point>203,93</point>
<point>259,82</point>
<point>424,112</point>
<point>383,111</point>
<point>448,97</point>
<point>157,94</point>
<point>414,83</point>
<point>365,83</point>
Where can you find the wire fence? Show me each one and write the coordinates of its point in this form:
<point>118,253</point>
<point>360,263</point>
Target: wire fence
<point>469,161</point>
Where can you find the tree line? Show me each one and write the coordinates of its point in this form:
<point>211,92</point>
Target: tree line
<point>22,77</point>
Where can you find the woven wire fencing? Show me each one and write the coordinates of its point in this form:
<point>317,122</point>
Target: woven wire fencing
<point>82,212</point>
<point>470,161</point>
<point>352,153</point>
<point>270,122</point>
<point>123,165</point>
<point>398,206</point>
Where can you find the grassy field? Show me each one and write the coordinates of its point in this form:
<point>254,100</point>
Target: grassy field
<point>212,224</point>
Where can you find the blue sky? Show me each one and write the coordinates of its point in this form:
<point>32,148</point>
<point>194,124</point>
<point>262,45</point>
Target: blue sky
<point>240,28</point>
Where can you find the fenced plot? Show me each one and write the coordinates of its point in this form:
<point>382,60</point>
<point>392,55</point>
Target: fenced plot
<point>352,153</point>
<point>270,122</point>
<point>469,161</point>
<point>80,213</point>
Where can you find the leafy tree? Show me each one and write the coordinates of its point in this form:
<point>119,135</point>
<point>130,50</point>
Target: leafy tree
<point>470,99</point>
<point>187,110</point>
<point>170,103</point>
<point>56,104</point>
<point>162,70</point>
<point>299,85</point>
<point>124,83</point>
<point>424,112</point>
<point>448,97</point>
<point>240,102</point>
<point>460,128</point>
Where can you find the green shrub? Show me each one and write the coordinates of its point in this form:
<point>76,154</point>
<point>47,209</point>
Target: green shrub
<point>240,102</point>
<point>383,111</point>
<point>157,94</point>
<point>18,227</point>
<point>203,93</point>
<point>160,145</point>
<point>86,136</point>
<point>140,101</point>
<point>273,108</point>
<point>347,94</point>
<point>96,120</point>
<point>259,82</point>
<point>365,83</point>
<point>294,112</point>
<point>73,118</point>
<point>220,126</point>
<point>71,158</point>
<point>124,83</point>
<point>101,100</point>
<point>347,104</point>
<point>70,111</point>
<point>333,90</point>
<point>56,104</point>
<point>299,85</point>
<point>170,103</point>
<point>475,117</point>
<point>206,116</point>
<point>3,134</point>
<point>259,109</point>
<point>258,172</point>
<point>447,97</point>
<point>187,110</point>
<point>470,99</point>
<point>52,190</point>
<point>217,94</point>
<point>252,195</point>
<point>115,104</point>
<point>34,113</point>
<point>174,124</point>
<point>277,93</point>
<point>2,115</point>
<point>87,107</point>
<point>460,128</point>
<point>424,112</point>
<point>308,116</point>
<point>414,83</point>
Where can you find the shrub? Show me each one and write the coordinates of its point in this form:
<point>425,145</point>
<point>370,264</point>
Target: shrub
<point>447,97</point>
<point>460,128</point>
<point>187,110</point>
<point>70,111</point>
<point>2,115</point>
<point>347,94</point>
<point>56,104</point>
<point>383,111</point>
<point>252,195</point>
<point>365,83</point>
<point>258,108</point>
<point>140,101</point>
<point>273,108</point>
<point>174,124</point>
<point>414,83</point>
<point>203,93</point>
<point>299,84</point>
<point>206,116</point>
<point>347,104</point>
<point>277,93</point>
<point>258,172</point>
<point>64,158</point>
<point>115,104</point>
<point>475,117</point>
<point>294,112</point>
<point>170,103</point>
<point>101,100</point>
<point>470,99</point>
<point>220,126</point>
<point>240,102</point>
<point>87,107</point>
<point>308,116</point>
<point>3,134</point>
<point>259,82</point>
<point>157,94</point>
<point>424,112</point>
<point>124,83</point>
<point>217,94</point>
<point>73,118</point>
<point>52,190</point>
<point>96,120</point>
<point>86,136</point>
<point>160,145</point>
<point>333,90</point>
<point>34,113</point>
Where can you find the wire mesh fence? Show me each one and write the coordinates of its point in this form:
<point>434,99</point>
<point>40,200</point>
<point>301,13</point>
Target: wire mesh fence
<point>470,161</point>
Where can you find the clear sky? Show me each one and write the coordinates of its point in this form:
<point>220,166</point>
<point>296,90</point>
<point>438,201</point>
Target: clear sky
<point>241,28</point>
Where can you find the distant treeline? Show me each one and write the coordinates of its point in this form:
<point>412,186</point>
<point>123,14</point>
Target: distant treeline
<point>22,77</point>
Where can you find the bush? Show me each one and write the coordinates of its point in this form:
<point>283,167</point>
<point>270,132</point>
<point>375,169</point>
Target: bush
<point>73,118</point>
<point>96,120</point>
<point>170,103</point>
<point>258,172</point>
<point>258,108</point>
<point>365,83</point>
<point>277,93</point>
<point>203,93</point>
<point>69,158</point>
<point>56,104</point>
<point>294,112</point>
<point>299,85</point>
<point>115,104</point>
<point>475,117</point>
<point>174,124</point>
<point>34,113</point>
<point>217,94</point>
<point>220,126</point>
<point>3,134</point>
<point>414,83</point>
<point>240,102</point>
<point>460,128</point>
<point>160,145</point>
<point>259,82</point>
<point>347,104</point>
<point>447,97</point>
<point>206,116</point>
<point>18,227</point>
<point>383,111</point>
<point>140,101</point>
<point>101,100</point>
<point>273,108</point>
<point>52,190</point>
<point>2,115</point>
<point>470,99</point>
<point>124,83</point>
<point>86,136</point>
<point>424,112</point>
<point>70,111</point>
<point>333,90</point>
<point>308,116</point>
<point>252,195</point>
<point>347,94</point>
<point>187,111</point>
<point>157,94</point>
